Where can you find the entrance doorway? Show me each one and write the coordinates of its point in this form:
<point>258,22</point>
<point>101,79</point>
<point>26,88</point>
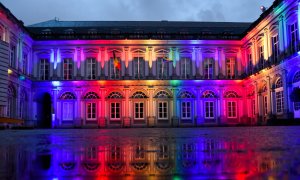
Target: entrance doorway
<point>44,111</point>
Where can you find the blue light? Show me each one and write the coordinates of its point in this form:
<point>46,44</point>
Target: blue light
<point>56,83</point>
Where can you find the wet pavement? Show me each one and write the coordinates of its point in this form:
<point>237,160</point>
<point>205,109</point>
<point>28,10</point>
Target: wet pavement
<point>196,153</point>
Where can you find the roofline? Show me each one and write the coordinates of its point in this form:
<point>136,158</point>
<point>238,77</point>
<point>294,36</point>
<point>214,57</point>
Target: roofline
<point>243,35</point>
<point>14,18</point>
<point>261,17</point>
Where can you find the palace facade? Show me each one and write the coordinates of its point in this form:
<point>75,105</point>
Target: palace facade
<point>172,74</point>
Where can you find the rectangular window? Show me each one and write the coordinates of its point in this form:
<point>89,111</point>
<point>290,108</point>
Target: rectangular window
<point>91,68</point>
<point>162,110</point>
<point>91,111</point>
<point>261,53</point>
<point>266,104</point>
<point>2,111</point>
<point>115,153</point>
<point>44,69</point>
<point>115,69</point>
<point>67,111</point>
<point>253,108</point>
<point>250,63</point>
<point>91,153</point>
<point>12,60</point>
<point>138,67</point>
<point>188,150</point>
<point>279,102</point>
<point>115,110</point>
<point>139,152</point>
<point>209,110</point>
<point>232,109</point>
<point>139,110</point>
<point>162,68</point>
<point>230,68</point>
<point>68,69</point>
<point>294,36</point>
<point>163,152</point>
<point>185,68</point>
<point>186,110</point>
<point>297,106</point>
<point>24,67</point>
<point>275,47</point>
<point>208,68</point>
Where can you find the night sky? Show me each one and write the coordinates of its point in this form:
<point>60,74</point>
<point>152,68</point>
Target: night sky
<point>34,11</point>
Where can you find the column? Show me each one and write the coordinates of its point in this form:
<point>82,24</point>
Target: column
<point>56,121</point>
<point>222,108</point>
<point>103,121</point>
<point>266,44</point>
<point>126,49</point>
<point>221,62</point>
<point>198,62</point>
<point>286,95</point>
<point>127,118</point>
<point>102,55</point>
<point>282,34</point>
<point>270,101</point>
<point>78,120</point>
<point>216,64</point>
<point>239,62</point>
<point>151,111</point>
<point>175,54</point>
<point>150,51</point>
<point>78,60</point>
<point>198,108</point>
<point>176,110</point>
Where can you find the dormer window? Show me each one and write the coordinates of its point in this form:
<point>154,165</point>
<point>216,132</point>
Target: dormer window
<point>69,31</point>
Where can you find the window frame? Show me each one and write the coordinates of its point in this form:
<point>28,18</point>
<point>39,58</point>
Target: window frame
<point>91,68</point>
<point>44,67</point>
<point>69,69</point>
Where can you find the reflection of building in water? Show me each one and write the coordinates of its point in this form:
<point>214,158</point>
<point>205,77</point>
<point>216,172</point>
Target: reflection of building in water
<point>145,74</point>
<point>200,158</point>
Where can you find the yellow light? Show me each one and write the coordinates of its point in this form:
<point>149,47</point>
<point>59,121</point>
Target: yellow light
<point>9,71</point>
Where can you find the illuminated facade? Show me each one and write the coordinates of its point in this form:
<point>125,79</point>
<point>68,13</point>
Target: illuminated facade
<point>62,73</point>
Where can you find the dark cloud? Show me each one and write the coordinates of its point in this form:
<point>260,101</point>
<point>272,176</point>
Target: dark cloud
<point>33,11</point>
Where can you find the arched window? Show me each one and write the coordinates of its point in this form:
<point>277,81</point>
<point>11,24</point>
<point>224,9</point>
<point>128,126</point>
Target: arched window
<point>209,94</point>
<point>67,96</point>
<point>67,106</point>
<point>163,95</point>
<point>91,95</point>
<point>186,95</point>
<point>162,105</point>
<point>139,107</point>
<point>231,94</point>
<point>186,106</point>
<point>115,105</point>
<point>296,77</point>
<point>139,95</point>
<point>115,95</point>
<point>231,104</point>
<point>279,83</point>
<point>209,105</point>
<point>91,106</point>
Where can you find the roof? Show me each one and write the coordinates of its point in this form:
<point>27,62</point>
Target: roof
<point>164,30</point>
<point>139,29</point>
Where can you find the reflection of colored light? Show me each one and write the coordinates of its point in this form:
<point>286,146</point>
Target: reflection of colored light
<point>55,83</point>
<point>22,78</point>
<point>9,71</point>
